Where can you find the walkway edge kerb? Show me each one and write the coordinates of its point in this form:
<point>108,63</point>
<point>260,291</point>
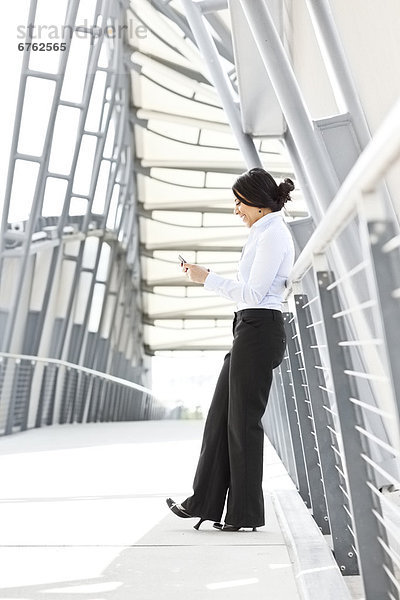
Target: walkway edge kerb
<point>314,565</point>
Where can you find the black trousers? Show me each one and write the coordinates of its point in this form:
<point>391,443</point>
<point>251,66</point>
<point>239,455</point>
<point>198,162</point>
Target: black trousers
<point>231,457</point>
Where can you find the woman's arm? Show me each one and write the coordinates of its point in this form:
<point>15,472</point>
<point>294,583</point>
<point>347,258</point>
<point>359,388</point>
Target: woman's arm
<point>270,252</point>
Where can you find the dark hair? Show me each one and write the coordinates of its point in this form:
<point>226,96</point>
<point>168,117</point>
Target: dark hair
<point>259,189</point>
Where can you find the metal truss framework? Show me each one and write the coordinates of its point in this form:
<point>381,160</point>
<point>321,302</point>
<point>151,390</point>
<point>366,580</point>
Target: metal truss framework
<point>73,280</point>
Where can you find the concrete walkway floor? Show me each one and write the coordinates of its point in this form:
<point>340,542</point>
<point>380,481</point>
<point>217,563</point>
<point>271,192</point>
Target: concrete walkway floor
<point>83,516</point>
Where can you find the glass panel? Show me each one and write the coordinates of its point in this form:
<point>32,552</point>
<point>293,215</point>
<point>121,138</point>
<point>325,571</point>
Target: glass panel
<point>54,197</point>
<point>64,140</point>
<point>8,281</point>
<point>101,188</point>
<point>23,189</point>
<point>71,248</point>
<point>35,115</point>
<point>66,280</point>
<point>102,269</point>
<point>78,206</point>
<point>113,208</point>
<point>108,316</point>
<point>90,252</point>
<point>40,279</point>
<point>118,219</point>
<point>96,102</point>
<point>49,28</point>
<point>104,58</point>
<point>82,298</point>
<point>85,15</point>
<point>109,145</point>
<point>121,232</point>
<point>75,74</point>
<point>96,308</point>
<point>84,167</point>
<point>105,115</point>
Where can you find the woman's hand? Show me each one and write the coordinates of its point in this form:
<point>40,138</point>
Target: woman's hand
<point>196,273</point>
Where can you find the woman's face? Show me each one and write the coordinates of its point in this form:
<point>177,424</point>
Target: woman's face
<point>248,214</point>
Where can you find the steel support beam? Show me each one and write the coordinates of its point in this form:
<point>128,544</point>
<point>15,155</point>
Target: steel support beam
<point>221,82</point>
<point>207,6</point>
<point>172,14</point>
<point>314,156</point>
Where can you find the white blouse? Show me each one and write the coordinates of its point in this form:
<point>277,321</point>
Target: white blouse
<point>266,262</point>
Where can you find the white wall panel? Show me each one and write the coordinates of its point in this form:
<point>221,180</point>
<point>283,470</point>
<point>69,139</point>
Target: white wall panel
<point>369,31</point>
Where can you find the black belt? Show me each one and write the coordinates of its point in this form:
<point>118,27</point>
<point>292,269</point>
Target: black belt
<point>257,312</point>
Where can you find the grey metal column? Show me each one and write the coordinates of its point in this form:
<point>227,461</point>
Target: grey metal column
<point>221,82</point>
<point>315,158</point>
<point>369,533</point>
<point>301,176</point>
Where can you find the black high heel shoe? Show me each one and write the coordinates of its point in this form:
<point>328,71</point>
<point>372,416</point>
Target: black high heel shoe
<point>177,509</point>
<point>226,527</point>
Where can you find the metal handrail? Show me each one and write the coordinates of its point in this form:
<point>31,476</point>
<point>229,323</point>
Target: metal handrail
<point>381,151</point>
<point>69,365</point>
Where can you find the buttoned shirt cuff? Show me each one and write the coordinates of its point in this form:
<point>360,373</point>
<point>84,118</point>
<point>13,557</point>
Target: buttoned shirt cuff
<point>213,281</point>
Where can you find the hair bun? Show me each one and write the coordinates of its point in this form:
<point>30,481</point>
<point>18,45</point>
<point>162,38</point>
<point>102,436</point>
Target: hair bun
<point>289,184</point>
<point>284,189</point>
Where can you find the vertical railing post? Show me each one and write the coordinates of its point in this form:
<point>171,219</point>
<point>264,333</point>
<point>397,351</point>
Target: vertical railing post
<point>283,424</point>
<point>338,518</point>
<point>306,424</point>
<point>369,534</point>
<point>27,400</point>
<point>272,421</point>
<point>13,396</point>
<point>302,482</point>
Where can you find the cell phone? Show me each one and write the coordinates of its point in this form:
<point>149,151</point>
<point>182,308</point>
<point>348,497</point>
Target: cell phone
<point>181,258</point>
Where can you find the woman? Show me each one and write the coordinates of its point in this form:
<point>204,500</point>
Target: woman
<point>231,458</point>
